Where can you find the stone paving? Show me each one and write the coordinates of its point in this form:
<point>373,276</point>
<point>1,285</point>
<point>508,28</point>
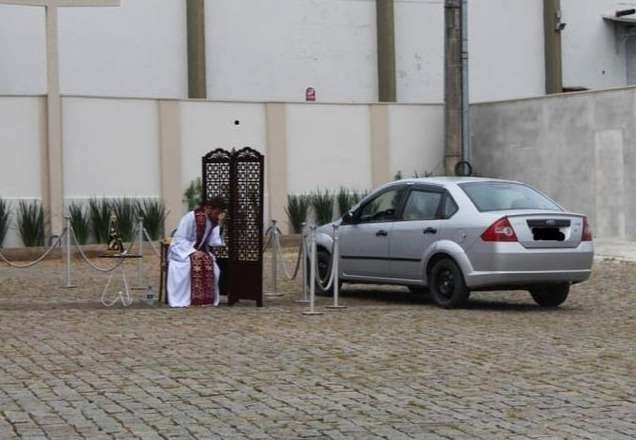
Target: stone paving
<point>390,366</point>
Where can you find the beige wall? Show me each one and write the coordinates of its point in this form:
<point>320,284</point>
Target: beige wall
<point>152,148</point>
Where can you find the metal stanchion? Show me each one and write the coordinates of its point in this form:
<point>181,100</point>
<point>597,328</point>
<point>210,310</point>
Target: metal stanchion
<point>335,267</point>
<point>140,263</point>
<point>305,298</point>
<point>312,275</point>
<point>275,252</point>
<point>67,276</point>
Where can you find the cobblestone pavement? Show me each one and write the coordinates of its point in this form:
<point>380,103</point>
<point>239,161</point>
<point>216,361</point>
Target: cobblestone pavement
<point>390,366</point>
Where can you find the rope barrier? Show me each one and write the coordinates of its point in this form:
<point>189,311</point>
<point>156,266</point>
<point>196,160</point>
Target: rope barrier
<point>152,245</point>
<point>57,243</point>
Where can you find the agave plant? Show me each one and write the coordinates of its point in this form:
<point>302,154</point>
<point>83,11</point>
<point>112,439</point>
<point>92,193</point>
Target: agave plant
<point>345,199</point>
<point>5,219</point>
<point>125,209</point>
<point>31,223</point>
<point>80,222</point>
<point>99,212</point>
<point>153,212</point>
<point>322,202</point>
<point>297,207</point>
<point>192,195</point>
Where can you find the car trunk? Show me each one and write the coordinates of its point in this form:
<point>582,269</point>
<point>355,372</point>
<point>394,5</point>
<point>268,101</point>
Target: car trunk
<point>547,229</point>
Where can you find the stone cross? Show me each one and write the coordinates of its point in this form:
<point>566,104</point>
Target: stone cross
<point>53,181</point>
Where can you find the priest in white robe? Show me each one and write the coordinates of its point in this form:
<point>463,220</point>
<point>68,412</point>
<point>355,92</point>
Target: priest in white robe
<point>193,275</point>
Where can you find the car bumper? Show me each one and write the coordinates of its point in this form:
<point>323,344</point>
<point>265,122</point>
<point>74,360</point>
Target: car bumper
<point>510,264</point>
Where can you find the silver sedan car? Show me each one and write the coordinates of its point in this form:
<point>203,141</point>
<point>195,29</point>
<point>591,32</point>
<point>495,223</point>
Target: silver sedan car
<point>456,235</point>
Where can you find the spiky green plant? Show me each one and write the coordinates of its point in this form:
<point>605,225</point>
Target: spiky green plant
<point>153,212</point>
<point>345,199</point>
<point>80,221</point>
<point>297,207</point>
<point>193,194</point>
<point>99,213</point>
<point>5,219</point>
<point>322,202</point>
<point>125,210</point>
<point>31,223</point>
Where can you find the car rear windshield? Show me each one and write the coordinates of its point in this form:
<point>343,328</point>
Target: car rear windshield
<point>503,196</point>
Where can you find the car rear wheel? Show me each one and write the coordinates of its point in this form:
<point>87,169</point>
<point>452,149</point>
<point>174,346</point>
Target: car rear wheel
<point>447,285</point>
<point>550,296</point>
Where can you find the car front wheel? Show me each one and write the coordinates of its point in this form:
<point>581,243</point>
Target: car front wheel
<point>550,296</point>
<point>447,285</point>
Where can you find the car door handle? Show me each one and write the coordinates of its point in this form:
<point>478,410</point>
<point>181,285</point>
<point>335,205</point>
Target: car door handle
<point>381,233</point>
<point>430,231</point>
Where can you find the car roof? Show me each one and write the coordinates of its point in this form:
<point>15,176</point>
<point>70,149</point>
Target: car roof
<point>445,180</point>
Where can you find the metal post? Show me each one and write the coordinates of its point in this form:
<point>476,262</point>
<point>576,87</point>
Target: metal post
<point>68,232</point>
<point>466,150</point>
<point>140,263</point>
<point>275,251</point>
<point>312,274</point>
<point>335,268</point>
<point>305,298</point>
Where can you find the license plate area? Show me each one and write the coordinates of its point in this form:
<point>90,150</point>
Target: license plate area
<point>549,229</point>
<point>547,234</point>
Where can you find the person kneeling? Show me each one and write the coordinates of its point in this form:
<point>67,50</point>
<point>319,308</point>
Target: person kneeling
<point>193,275</point>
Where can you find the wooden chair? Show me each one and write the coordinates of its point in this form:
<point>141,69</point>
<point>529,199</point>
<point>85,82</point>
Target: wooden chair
<point>163,280</point>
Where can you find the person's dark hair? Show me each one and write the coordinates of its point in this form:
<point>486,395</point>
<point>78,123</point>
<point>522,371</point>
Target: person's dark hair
<point>214,202</point>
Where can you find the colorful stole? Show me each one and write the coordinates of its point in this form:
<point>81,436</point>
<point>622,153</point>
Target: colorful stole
<point>202,266</point>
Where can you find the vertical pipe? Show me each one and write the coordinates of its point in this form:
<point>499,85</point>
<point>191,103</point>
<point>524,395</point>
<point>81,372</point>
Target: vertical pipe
<point>553,51</point>
<point>452,85</point>
<point>68,231</point>
<point>466,142</point>
<point>312,275</point>
<point>304,256</point>
<point>197,82</point>
<point>275,244</point>
<point>385,18</point>
<point>140,269</point>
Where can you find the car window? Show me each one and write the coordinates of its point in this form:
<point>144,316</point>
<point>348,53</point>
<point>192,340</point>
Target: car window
<point>422,205</point>
<point>383,208</point>
<point>450,207</point>
<point>503,196</point>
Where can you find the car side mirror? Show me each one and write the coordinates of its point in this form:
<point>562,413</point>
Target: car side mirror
<point>349,218</point>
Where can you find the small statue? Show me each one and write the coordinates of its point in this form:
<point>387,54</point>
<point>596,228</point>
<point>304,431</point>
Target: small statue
<point>114,239</point>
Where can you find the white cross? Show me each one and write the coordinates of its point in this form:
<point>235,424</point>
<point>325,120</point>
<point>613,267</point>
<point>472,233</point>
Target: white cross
<point>52,168</point>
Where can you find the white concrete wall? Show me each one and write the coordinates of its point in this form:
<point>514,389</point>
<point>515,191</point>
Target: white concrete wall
<point>275,49</point>
<point>22,50</point>
<point>416,134</point>
<point>271,50</point>
<point>136,50</point>
<point>590,58</point>
<point>111,148</point>
<point>329,146</point>
<point>21,139</point>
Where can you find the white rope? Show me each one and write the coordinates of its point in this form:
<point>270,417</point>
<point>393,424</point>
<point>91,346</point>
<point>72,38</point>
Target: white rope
<point>283,264</point>
<point>40,259</point>
<point>332,273</point>
<point>152,245</point>
<point>97,268</point>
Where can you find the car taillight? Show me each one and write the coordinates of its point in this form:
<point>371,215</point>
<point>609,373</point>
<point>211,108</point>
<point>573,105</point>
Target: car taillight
<point>587,231</point>
<point>501,230</point>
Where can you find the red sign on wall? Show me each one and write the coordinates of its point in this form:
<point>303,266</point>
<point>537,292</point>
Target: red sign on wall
<point>310,94</point>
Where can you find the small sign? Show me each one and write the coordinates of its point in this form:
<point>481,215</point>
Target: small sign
<point>310,94</point>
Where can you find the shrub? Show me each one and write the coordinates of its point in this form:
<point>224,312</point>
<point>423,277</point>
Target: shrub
<point>345,199</point>
<point>31,223</point>
<point>153,212</point>
<point>5,219</point>
<point>125,210</point>
<point>297,207</point>
<point>80,222</point>
<point>322,202</point>
<point>100,211</point>
<point>193,194</point>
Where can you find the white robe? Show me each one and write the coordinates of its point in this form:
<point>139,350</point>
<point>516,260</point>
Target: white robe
<point>181,247</point>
